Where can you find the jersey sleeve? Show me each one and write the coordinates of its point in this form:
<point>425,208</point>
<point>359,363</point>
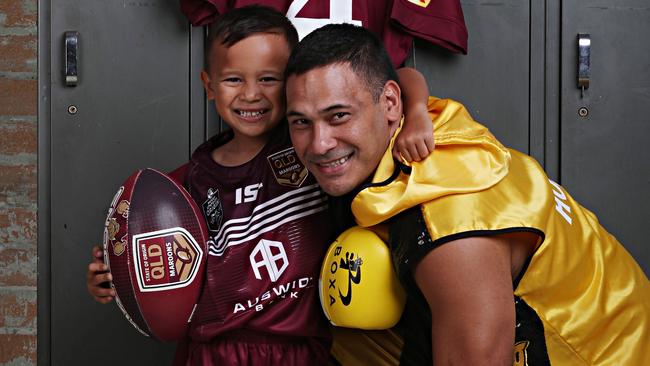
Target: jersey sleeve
<point>179,174</point>
<point>202,12</point>
<point>440,22</point>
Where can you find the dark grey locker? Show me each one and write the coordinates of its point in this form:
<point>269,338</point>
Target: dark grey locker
<point>604,155</point>
<point>493,80</point>
<point>138,103</point>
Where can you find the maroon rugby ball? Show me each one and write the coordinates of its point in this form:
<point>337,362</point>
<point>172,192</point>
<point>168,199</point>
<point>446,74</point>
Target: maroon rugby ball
<point>155,244</point>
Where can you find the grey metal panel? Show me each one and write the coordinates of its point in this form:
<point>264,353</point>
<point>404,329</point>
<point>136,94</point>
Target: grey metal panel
<point>605,155</point>
<point>198,102</point>
<point>43,246</point>
<point>133,111</point>
<point>552,95</point>
<point>492,81</point>
<point>537,83</point>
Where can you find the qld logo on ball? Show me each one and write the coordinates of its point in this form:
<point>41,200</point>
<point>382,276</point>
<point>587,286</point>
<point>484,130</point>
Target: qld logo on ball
<point>165,259</point>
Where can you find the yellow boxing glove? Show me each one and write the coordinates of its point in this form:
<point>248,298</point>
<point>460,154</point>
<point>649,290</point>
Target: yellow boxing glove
<point>358,286</point>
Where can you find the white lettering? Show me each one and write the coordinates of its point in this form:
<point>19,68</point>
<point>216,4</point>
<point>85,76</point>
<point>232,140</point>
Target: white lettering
<point>250,305</point>
<point>281,290</point>
<point>249,193</point>
<point>238,307</point>
<point>560,206</point>
<point>303,282</point>
<point>170,259</point>
<point>278,292</point>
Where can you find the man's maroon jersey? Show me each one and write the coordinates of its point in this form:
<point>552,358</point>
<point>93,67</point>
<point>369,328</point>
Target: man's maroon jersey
<point>396,22</point>
<point>268,233</point>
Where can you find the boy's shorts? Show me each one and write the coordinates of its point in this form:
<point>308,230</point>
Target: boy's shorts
<point>243,347</point>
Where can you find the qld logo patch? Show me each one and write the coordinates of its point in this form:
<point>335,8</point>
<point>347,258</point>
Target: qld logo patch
<point>165,259</point>
<point>287,169</point>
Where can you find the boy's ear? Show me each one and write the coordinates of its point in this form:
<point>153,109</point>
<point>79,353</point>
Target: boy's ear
<point>392,96</point>
<point>205,78</point>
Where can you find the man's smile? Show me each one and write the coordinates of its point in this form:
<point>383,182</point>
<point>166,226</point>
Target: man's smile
<point>332,165</point>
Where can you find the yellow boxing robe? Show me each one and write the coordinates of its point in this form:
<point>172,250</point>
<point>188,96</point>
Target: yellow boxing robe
<point>582,298</point>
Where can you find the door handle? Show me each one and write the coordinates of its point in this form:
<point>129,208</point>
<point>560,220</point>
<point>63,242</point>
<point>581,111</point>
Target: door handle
<point>584,55</point>
<point>71,50</point>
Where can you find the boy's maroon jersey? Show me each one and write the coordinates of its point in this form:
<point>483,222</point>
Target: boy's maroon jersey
<point>396,22</point>
<point>268,233</point>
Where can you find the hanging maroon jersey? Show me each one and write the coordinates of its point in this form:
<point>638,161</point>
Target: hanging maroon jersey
<point>396,22</point>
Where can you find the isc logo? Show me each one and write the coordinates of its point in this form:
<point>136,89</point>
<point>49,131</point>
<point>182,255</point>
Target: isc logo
<point>247,194</point>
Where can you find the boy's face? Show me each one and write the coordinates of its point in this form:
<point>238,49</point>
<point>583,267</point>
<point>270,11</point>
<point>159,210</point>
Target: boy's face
<point>246,83</point>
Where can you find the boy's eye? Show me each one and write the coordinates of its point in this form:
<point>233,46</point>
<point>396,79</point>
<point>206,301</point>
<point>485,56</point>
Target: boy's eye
<point>232,80</point>
<point>269,79</point>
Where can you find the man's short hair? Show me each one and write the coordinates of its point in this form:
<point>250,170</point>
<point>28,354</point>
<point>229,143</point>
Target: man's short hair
<point>344,44</point>
<point>237,24</point>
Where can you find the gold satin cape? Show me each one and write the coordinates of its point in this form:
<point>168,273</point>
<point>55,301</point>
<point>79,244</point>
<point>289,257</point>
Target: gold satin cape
<point>592,297</point>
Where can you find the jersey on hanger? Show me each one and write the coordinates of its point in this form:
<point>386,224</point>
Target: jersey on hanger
<point>396,22</point>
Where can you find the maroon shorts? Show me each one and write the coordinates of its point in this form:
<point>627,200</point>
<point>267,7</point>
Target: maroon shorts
<point>244,348</point>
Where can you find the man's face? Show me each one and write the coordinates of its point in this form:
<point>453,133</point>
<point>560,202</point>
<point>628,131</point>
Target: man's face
<point>246,82</point>
<point>339,132</point>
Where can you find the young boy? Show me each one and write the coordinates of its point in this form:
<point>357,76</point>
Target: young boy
<point>266,215</point>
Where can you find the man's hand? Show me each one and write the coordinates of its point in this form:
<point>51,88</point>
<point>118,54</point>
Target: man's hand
<point>98,276</point>
<point>415,141</point>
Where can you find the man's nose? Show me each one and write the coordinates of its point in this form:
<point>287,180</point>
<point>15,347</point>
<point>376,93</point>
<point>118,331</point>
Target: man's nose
<point>324,139</point>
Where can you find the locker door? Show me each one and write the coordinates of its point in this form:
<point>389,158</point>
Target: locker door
<point>138,103</point>
<point>493,79</point>
<point>604,155</point>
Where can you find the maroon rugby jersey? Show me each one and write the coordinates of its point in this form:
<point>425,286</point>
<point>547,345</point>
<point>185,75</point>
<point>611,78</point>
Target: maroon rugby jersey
<point>396,22</point>
<point>269,231</point>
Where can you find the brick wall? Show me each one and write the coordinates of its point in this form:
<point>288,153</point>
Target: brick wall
<point>18,143</point>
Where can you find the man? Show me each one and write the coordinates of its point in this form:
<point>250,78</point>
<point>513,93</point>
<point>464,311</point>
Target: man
<point>499,263</point>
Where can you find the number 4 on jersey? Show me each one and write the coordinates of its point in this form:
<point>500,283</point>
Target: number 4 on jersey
<point>340,12</point>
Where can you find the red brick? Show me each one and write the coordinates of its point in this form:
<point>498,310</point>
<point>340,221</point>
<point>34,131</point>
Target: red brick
<point>17,268</point>
<point>18,309</point>
<point>18,97</point>
<point>18,185</point>
<point>18,225</point>
<point>19,13</point>
<point>18,137</point>
<point>18,53</point>
<point>17,349</point>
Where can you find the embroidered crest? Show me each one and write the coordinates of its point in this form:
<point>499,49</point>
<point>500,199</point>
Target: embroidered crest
<point>287,169</point>
<point>213,210</point>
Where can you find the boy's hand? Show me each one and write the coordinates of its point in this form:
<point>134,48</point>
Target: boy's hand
<point>415,141</point>
<point>98,276</point>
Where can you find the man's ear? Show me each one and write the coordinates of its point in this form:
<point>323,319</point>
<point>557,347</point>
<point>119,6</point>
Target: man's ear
<point>205,78</point>
<point>392,95</point>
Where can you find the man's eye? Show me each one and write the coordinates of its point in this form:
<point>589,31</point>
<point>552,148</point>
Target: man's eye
<point>300,122</point>
<point>340,116</point>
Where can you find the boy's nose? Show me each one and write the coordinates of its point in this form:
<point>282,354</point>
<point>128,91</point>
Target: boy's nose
<point>251,92</point>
